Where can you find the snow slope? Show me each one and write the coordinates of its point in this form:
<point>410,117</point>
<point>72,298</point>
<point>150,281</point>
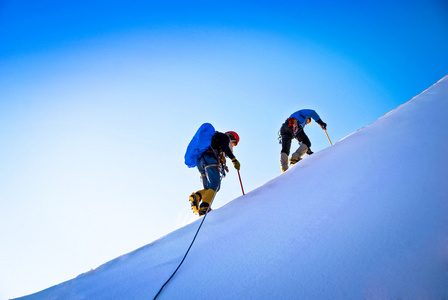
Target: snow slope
<point>364,219</point>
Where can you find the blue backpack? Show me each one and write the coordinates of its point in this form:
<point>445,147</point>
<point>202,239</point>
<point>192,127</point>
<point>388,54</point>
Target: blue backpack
<point>200,142</point>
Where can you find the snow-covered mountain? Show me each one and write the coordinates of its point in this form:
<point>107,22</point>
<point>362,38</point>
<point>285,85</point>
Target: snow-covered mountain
<point>366,218</point>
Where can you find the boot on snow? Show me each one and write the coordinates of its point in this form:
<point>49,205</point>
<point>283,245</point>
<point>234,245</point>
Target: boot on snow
<point>293,160</point>
<point>284,161</point>
<point>195,198</point>
<point>205,208</point>
<point>201,200</point>
<point>207,198</point>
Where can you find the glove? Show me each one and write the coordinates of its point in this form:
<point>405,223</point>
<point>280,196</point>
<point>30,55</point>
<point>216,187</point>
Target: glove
<point>322,124</point>
<point>309,152</point>
<point>236,163</point>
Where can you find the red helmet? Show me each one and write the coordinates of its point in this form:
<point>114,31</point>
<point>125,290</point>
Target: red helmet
<point>233,136</point>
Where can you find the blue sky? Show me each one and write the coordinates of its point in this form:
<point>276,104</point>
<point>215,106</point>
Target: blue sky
<point>99,101</point>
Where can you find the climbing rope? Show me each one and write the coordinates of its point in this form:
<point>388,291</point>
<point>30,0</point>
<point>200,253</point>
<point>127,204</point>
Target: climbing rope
<point>188,250</point>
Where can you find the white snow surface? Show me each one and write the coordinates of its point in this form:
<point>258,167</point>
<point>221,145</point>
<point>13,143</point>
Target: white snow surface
<point>366,218</point>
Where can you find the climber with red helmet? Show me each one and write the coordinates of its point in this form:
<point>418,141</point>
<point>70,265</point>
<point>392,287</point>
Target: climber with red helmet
<point>211,165</point>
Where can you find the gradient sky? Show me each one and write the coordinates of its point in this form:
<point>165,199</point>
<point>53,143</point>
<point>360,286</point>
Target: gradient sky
<point>98,102</point>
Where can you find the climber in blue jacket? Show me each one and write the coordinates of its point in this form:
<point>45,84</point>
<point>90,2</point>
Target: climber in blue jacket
<point>294,128</point>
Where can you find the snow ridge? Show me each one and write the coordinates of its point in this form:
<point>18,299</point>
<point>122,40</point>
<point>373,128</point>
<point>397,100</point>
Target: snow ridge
<point>362,219</point>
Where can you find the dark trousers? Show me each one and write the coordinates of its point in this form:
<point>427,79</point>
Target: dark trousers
<point>287,134</point>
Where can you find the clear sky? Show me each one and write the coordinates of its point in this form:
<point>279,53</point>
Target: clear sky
<point>98,102</point>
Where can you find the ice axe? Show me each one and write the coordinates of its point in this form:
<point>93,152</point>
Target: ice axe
<point>328,137</point>
<point>239,176</point>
